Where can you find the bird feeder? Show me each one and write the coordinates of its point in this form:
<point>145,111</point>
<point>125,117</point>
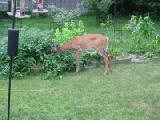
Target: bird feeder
<point>40,5</point>
<point>22,7</point>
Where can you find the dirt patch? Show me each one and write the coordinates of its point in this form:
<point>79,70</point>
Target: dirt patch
<point>142,105</point>
<point>149,109</point>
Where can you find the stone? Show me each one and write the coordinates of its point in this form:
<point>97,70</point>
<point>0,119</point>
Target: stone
<point>156,58</point>
<point>122,59</point>
<point>138,61</point>
<point>133,56</point>
<point>142,57</point>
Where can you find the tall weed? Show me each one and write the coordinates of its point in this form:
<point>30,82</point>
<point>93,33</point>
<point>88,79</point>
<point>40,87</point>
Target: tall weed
<point>145,39</point>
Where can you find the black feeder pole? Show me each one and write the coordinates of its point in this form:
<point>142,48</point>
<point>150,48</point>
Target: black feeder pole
<point>13,38</point>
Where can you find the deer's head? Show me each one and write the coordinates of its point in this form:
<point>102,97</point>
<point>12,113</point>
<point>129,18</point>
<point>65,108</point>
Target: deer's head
<point>56,48</point>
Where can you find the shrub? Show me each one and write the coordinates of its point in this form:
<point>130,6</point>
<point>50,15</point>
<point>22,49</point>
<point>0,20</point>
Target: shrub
<point>144,6</point>
<point>59,63</point>
<point>99,8</point>
<point>60,15</point>
<point>35,50</point>
<point>65,60</point>
<point>33,46</point>
<point>144,35</point>
<point>69,30</point>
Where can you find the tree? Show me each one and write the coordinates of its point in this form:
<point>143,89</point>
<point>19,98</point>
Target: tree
<point>99,8</point>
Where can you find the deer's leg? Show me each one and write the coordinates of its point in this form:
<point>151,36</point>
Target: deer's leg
<point>106,60</point>
<point>78,61</point>
<point>110,61</point>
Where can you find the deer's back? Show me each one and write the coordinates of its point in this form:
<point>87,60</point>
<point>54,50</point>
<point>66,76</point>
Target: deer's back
<point>89,41</point>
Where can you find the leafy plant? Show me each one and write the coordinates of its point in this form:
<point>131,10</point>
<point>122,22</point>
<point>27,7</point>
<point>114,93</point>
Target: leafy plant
<point>33,46</point>
<point>59,63</point>
<point>100,8</point>
<point>35,51</point>
<point>60,15</point>
<point>69,30</point>
<point>144,35</point>
<point>107,22</point>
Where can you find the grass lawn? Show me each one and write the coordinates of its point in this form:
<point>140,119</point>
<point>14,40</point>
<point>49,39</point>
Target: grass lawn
<point>130,92</point>
<point>44,24</point>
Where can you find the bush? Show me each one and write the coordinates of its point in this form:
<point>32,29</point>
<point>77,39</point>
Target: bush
<point>144,6</point>
<point>69,30</point>
<point>145,38</point>
<point>60,15</point>
<point>59,63</point>
<point>33,46</point>
<point>35,50</point>
<point>100,8</point>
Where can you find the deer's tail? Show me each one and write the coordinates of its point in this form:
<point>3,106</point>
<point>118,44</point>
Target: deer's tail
<point>107,43</point>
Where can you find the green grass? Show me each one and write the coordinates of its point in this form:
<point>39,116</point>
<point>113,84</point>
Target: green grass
<point>42,23</point>
<point>89,21</point>
<point>129,92</point>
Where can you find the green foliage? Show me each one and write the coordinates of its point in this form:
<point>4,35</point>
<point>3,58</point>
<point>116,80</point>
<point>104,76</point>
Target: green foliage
<point>69,30</point>
<point>99,8</point>
<point>59,63</point>
<point>138,6</point>
<point>98,5</point>
<point>153,5</point>
<point>35,51</point>
<point>144,35</point>
<point>107,22</point>
<point>117,47</point>
<point>33,46</point>
<point>64,61</point>
<point>60,15</point>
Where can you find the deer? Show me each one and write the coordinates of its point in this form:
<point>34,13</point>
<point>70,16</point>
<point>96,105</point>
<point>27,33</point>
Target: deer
<point>85,42</point>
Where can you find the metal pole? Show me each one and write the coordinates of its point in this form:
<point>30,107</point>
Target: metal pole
<point>9,85</point>
<point>114,17</point>
<point>14,14</point>
<point>114,20</point>
<point>10,65</point>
